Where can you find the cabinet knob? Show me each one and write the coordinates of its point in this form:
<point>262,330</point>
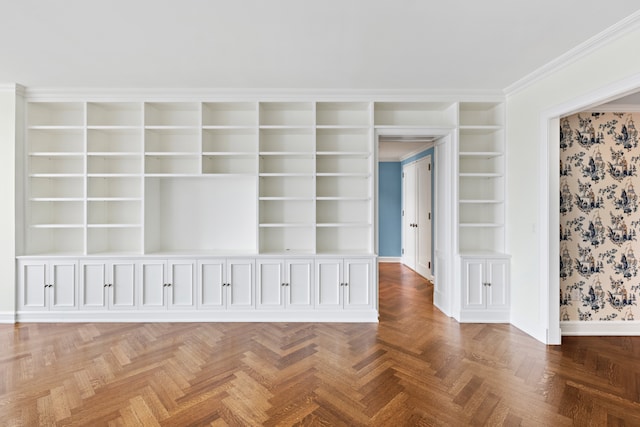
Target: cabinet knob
<point>284,284</point>
<point>106,284</point>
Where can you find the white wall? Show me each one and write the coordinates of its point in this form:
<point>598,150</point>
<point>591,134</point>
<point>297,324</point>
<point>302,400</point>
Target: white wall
<point>603,67</point>
<point>7,196</point>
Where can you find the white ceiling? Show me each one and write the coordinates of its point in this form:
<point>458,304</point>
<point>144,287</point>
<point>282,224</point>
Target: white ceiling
<point>276,44</point>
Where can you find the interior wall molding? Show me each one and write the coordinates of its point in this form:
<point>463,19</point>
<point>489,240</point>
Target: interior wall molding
<point>284,94</point>
<point>577,328</point>
<point>617,30</point>
<point>7,317</point>
<point>12,88</point>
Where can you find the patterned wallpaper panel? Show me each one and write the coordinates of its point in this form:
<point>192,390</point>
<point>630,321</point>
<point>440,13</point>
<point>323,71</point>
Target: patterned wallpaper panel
<point>599,217</point>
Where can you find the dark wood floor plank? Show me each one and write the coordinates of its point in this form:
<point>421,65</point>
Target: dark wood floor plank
<point>416,367</point>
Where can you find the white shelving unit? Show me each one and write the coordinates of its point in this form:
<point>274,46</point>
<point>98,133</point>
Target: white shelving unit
<point>212,182</point>
<point>481,178</point>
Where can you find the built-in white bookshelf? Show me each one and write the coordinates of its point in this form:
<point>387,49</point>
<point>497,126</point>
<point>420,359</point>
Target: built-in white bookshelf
<point>415,114</point>
<point>481,178</point>
<point>287,176</point>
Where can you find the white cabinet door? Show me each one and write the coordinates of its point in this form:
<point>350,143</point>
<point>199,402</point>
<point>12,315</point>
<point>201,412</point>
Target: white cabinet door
<point>107,285</point>
<point>270,284</point>
<point>93,285</point>
<point>329,283</point>
<point>47,285</point>
<point>63,280</point>
<point>152,283</point>
<point>212,284</point>
<point>485,283</point>
<point>122,285</point>
<point>240,282</point>
<point>182,284</point>
<point>497,273</point>
<point>357,283</point>
<point>33,286</point>
<point>473,281</point>
<point>283,284</point>
<point>299,283</point>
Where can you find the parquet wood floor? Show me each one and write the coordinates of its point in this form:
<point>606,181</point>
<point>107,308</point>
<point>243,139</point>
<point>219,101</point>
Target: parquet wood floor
<point>415,368</point>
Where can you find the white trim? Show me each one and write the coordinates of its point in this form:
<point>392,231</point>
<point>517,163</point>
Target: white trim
<point>615,108</point>
<point>415,153</point>
<point>549,219</point>
<point>238,95</point>
<point>484,316</point>
<point>576,328</point>
<point>615,31</point>
<point>324,316</point>
<point>389,259</point>
<point>7,317</point>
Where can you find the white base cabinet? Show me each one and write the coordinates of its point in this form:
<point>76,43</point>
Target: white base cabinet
<point>292,289</point>
<point>226,284</point>
<point>485,289</point>
<point>47,285</point>
<point>285,284</point>
<point>169,284</point>
<point>344,284</point>
<point>107,285</point>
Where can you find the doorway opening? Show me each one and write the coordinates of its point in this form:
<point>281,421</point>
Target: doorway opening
<point>416,231</point>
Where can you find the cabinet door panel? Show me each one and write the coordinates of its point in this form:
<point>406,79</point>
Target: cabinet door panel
<point>473,284</point>
<point>123,289</point>
<point>212,274</point>
<point>269,284</point>
<point>151,282</point>
<point>497,276</point>
<point>33,278</point>
<point>93,277</point>
<point>300,281</point>
<point>182,279</point>
<point>358,279</point>
<point>241,280</point>
<point>328,280</point>
<point>64,286</point>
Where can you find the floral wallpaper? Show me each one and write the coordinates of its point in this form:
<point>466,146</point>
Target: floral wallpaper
<point>599,217</point>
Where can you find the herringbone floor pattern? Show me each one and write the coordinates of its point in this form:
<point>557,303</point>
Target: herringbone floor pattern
<point>416,367</point>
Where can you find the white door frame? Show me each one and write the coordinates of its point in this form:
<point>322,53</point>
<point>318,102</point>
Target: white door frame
<point>549,212</point>
<point>446,284</point>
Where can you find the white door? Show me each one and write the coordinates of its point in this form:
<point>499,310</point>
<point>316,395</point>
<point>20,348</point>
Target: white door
<point>33,285</point>
<point>357,288</point>
<point>409,219</point>
<point>122,285</point>
<point>240,284</point>
<point>270,283</point>
<point>93,285</point>
<point>182,284</point>
<point>298,291</point>
<point>152,284</point>
<point>63,278</point>
<point>423,192</point>
<point>329,283</point>
<point>212,288</point>
<point>473,281</point>
<point>497,274</point>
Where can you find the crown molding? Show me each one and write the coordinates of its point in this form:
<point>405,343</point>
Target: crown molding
<point>617,30</point>
<point>12,88</point>
<point>284,94</point>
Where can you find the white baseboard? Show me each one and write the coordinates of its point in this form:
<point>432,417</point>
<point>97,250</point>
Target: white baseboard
<point>389,259</point>
<point>324,316</point>
<point>484,316</point>
<point>576,328</point>
<point>7,317</point>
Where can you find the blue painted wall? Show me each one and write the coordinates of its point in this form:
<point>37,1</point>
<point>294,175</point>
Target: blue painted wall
<point>389,209</point>
<point>390,204</point>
